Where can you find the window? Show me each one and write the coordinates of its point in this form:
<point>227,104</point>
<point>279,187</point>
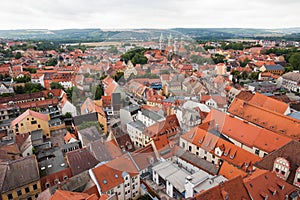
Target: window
<point>19,192</point>
<point>27,189</point>
<point>29,198</point>
<point>257,151</point>
<point>183,144</point>
<point>34,186</point>
<point>21,124</point>
<point>36,195</point>
<point>34,122</point>
<point>65,177</point>
<point>190,148</point>
<point>277,170</point>
<point>213,156</point>
<point>283,173</point>
<point>47,185</point>
<point>39,126</point>
<point>10,196</point>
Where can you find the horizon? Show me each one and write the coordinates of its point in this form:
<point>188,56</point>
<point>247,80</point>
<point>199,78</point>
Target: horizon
<point>149,28</point>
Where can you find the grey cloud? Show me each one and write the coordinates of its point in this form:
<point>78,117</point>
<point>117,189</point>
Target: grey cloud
<point>58,14</point>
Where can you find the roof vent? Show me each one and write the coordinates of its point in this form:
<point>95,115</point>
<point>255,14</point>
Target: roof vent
<point>104,181</point>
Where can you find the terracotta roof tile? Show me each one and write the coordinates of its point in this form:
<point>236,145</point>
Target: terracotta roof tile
<point>233,189</point>
<point>266,118</point>
<point>263,183</point>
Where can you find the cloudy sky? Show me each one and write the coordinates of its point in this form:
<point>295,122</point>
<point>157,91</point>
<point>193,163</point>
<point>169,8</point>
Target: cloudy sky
<point>61,14</point>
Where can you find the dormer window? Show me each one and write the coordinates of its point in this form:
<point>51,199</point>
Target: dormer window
<point>281,167</point>
<point>297,177</point>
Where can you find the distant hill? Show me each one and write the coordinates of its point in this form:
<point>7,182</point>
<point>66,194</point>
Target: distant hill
<point>86,35</point>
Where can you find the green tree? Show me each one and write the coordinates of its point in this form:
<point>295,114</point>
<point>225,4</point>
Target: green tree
<point>51,62</point>
<point>244,62</point>
<point>22,79</point>
<point>118,76</point>
<point>254,75</point>
<point>99,92</point>
<point>68,115</point>
<point>18,55</point>
<point>218,58</point>
<point>55,85</point>
<point>294,60</point>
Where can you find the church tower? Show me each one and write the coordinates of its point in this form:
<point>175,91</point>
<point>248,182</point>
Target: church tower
<point>161,40</point>
<point>170,40</point>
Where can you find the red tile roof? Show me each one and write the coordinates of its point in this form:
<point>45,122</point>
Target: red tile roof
<point>229,171</point>
<point>231,153</point>
<point>263,183</point>
<point>66,195</point>
<point>109,175</point>
<point>233,189</point>
<point>246,133</point>
<point>269,103</point>
<point>266,118</point>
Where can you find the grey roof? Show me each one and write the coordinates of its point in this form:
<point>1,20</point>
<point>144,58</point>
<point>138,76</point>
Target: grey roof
<point>177,179</point>
<point>293,76</point>
<point>295,115</point>
<point>36,135</point>
<point>206,182</point>
<point>116,98</point>
<point>152,115</point>
<point>274,67</point>
<point>262,84</point>
<point>132,108</point>
<point>200,163</point>
<point>51,161</point>
<point>89,135</point>
<point>16,173</point>
<point>138,125</point>
<point>165,169</point>
<point>91,117</point>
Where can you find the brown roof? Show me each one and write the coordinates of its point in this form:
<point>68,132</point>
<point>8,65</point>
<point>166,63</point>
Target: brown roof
<point>233,189</point>
<point>245,95</point>
<point>125,142</point>
<point>104,151</point>
<point>263,183</point>
<point>144,157</point>
<point>290,151</point>
<point>81,160</point>
<point>20,97</point>
<point>10,176</point>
